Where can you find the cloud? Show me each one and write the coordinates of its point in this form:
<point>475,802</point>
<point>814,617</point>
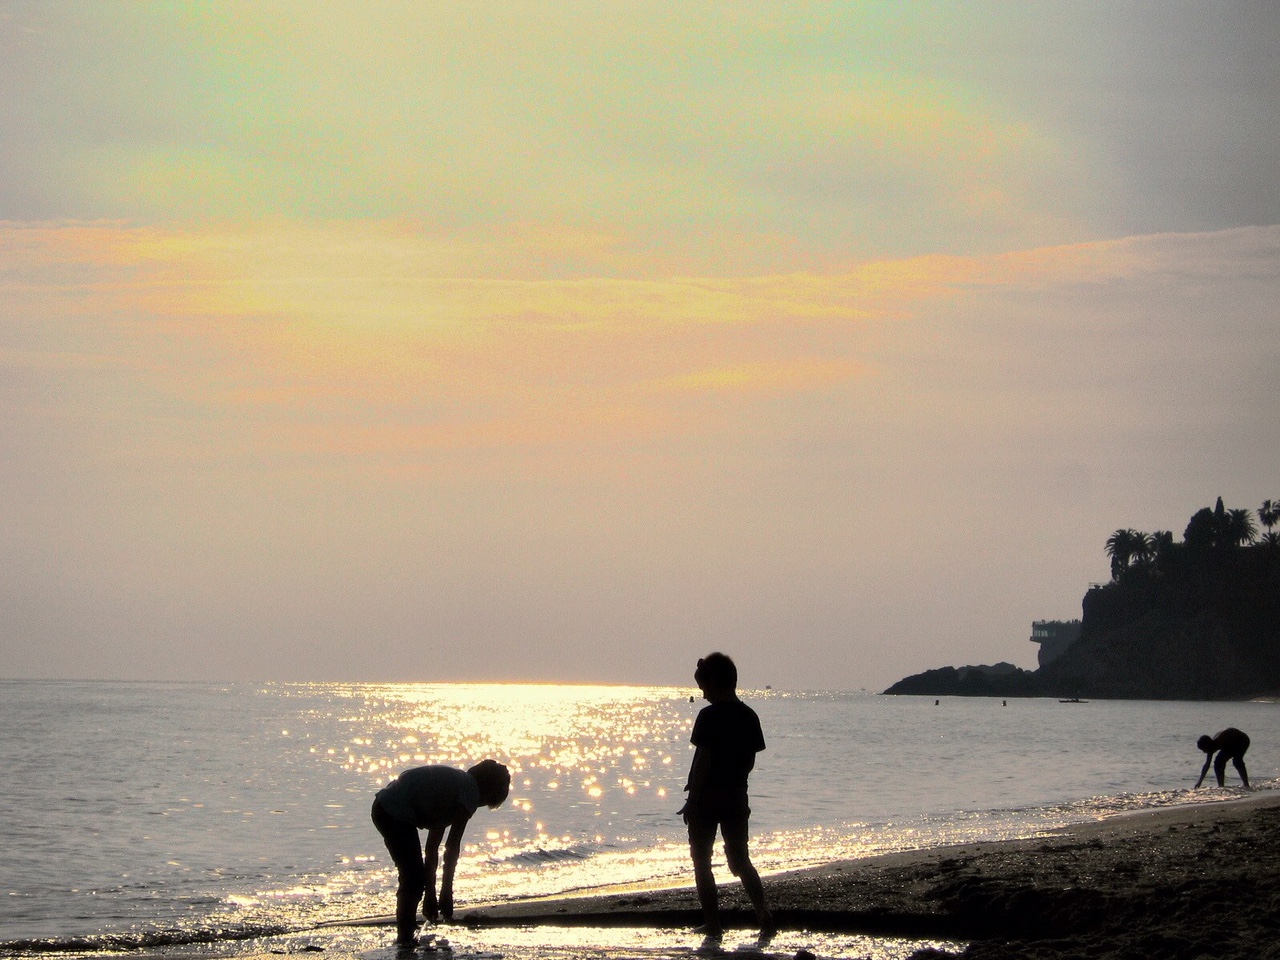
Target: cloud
<point>347,324</point>
<point>317,431</point>
<point>786,377</point>
<point>820,132</point>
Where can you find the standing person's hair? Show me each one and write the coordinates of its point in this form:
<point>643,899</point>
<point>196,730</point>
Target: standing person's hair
<point>716,671</point>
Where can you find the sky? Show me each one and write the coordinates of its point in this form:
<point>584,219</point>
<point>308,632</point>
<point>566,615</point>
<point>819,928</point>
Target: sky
<point>568,342</point>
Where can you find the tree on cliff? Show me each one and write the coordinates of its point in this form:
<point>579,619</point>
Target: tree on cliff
<point>1196,619</point>
<point>1240,528</point>
<point>1163,547</point>
<point>1122,547</point>
<point>1201,534</point>
<point>1208,530</point>
<point>1269,514</point>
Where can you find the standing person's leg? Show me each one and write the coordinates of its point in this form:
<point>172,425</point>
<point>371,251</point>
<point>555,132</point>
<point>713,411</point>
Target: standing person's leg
<point>702,839</point>
<point>738,855</point>
<point>1220,767</point>
<point>401,839</point>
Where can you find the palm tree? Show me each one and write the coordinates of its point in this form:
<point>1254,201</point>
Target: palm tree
<point>1269,514</point>
<point>1144,549</point>
<point>1162,549</point>
<point>1120,548</point>
<point>1239,529</point>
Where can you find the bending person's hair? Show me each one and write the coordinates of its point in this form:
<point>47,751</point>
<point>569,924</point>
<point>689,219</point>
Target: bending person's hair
<point>494,780</point>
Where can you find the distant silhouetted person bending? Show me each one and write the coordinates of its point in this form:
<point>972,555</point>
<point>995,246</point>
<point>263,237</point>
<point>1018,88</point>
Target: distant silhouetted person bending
<point>432,798</point>
<point>726,737</point>
<point>1230,745</point>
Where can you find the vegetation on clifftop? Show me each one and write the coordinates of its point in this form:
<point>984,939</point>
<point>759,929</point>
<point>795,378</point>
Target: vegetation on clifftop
<point>1179,620</point>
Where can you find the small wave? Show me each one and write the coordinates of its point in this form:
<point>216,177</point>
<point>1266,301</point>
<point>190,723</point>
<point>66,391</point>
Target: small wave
<point>1008,822</point>
<point>145,940</point>
<point>1123,803</point>
<point>541,855</point>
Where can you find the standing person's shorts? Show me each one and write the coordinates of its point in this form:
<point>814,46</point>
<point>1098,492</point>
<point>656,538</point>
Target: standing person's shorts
<point>729,813</point>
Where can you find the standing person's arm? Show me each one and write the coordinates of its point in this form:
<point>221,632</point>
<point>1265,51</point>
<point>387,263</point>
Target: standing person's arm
<point>697,782</point>
<point>452,848</point>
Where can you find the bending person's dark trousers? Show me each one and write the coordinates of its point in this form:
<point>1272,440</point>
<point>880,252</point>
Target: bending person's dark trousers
<point>1234,753</point>
<point>401,838</point>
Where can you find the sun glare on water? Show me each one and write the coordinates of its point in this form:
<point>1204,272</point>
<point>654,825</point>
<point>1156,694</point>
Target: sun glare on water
<point>585,761</point>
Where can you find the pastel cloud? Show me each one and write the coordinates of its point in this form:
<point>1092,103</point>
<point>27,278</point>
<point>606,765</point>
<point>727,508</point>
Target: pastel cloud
<point>344,328</point>
<point>763,377</point>
<point>813,130</point>
<point>225,442</point>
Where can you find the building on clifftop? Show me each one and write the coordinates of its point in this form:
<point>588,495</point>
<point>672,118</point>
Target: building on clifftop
<point>1054,636</point>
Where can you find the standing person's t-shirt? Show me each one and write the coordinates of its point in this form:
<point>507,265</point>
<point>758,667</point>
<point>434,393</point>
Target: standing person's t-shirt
<point>433,796</point>
<point>729,734</point>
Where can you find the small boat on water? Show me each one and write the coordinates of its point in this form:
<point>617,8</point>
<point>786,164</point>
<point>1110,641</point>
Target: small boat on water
<point>1073,700</point>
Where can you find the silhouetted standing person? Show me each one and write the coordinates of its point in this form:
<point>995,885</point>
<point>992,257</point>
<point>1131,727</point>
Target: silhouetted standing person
<point>433,798</point>
<point>1230,744</point>
<point>726,737</point>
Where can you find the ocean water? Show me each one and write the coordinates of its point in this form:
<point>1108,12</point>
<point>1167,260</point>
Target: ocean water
<point>138,815</point>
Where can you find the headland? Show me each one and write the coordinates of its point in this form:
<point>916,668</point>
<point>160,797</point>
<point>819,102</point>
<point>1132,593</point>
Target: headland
<point>1196,619</point>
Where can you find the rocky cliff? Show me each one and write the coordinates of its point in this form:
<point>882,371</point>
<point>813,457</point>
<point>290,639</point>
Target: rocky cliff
<point>1204,630</point>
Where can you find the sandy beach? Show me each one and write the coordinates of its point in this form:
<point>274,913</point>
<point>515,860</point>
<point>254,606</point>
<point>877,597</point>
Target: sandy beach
<point>1193,881</point>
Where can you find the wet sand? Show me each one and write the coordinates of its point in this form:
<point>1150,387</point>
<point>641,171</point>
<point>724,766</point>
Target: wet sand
<point>1197,881</point>
<point>1194,881</point>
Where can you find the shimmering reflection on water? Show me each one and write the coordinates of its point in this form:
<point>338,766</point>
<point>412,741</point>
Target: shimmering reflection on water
<point>226,811</point>
<point>598,772</point>
<point>593,773</point>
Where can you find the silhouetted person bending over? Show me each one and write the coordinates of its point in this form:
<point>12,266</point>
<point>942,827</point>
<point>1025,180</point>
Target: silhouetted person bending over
<point>1230,745</point>
<point>727,737</point>
<point>432,798</point>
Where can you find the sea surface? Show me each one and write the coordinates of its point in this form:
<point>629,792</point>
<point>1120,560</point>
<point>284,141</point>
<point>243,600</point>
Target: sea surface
<point>191,816</point>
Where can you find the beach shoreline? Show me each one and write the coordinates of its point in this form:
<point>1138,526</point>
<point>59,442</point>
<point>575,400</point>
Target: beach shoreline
<point>1181,881</point>
<point>1189,880</point>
